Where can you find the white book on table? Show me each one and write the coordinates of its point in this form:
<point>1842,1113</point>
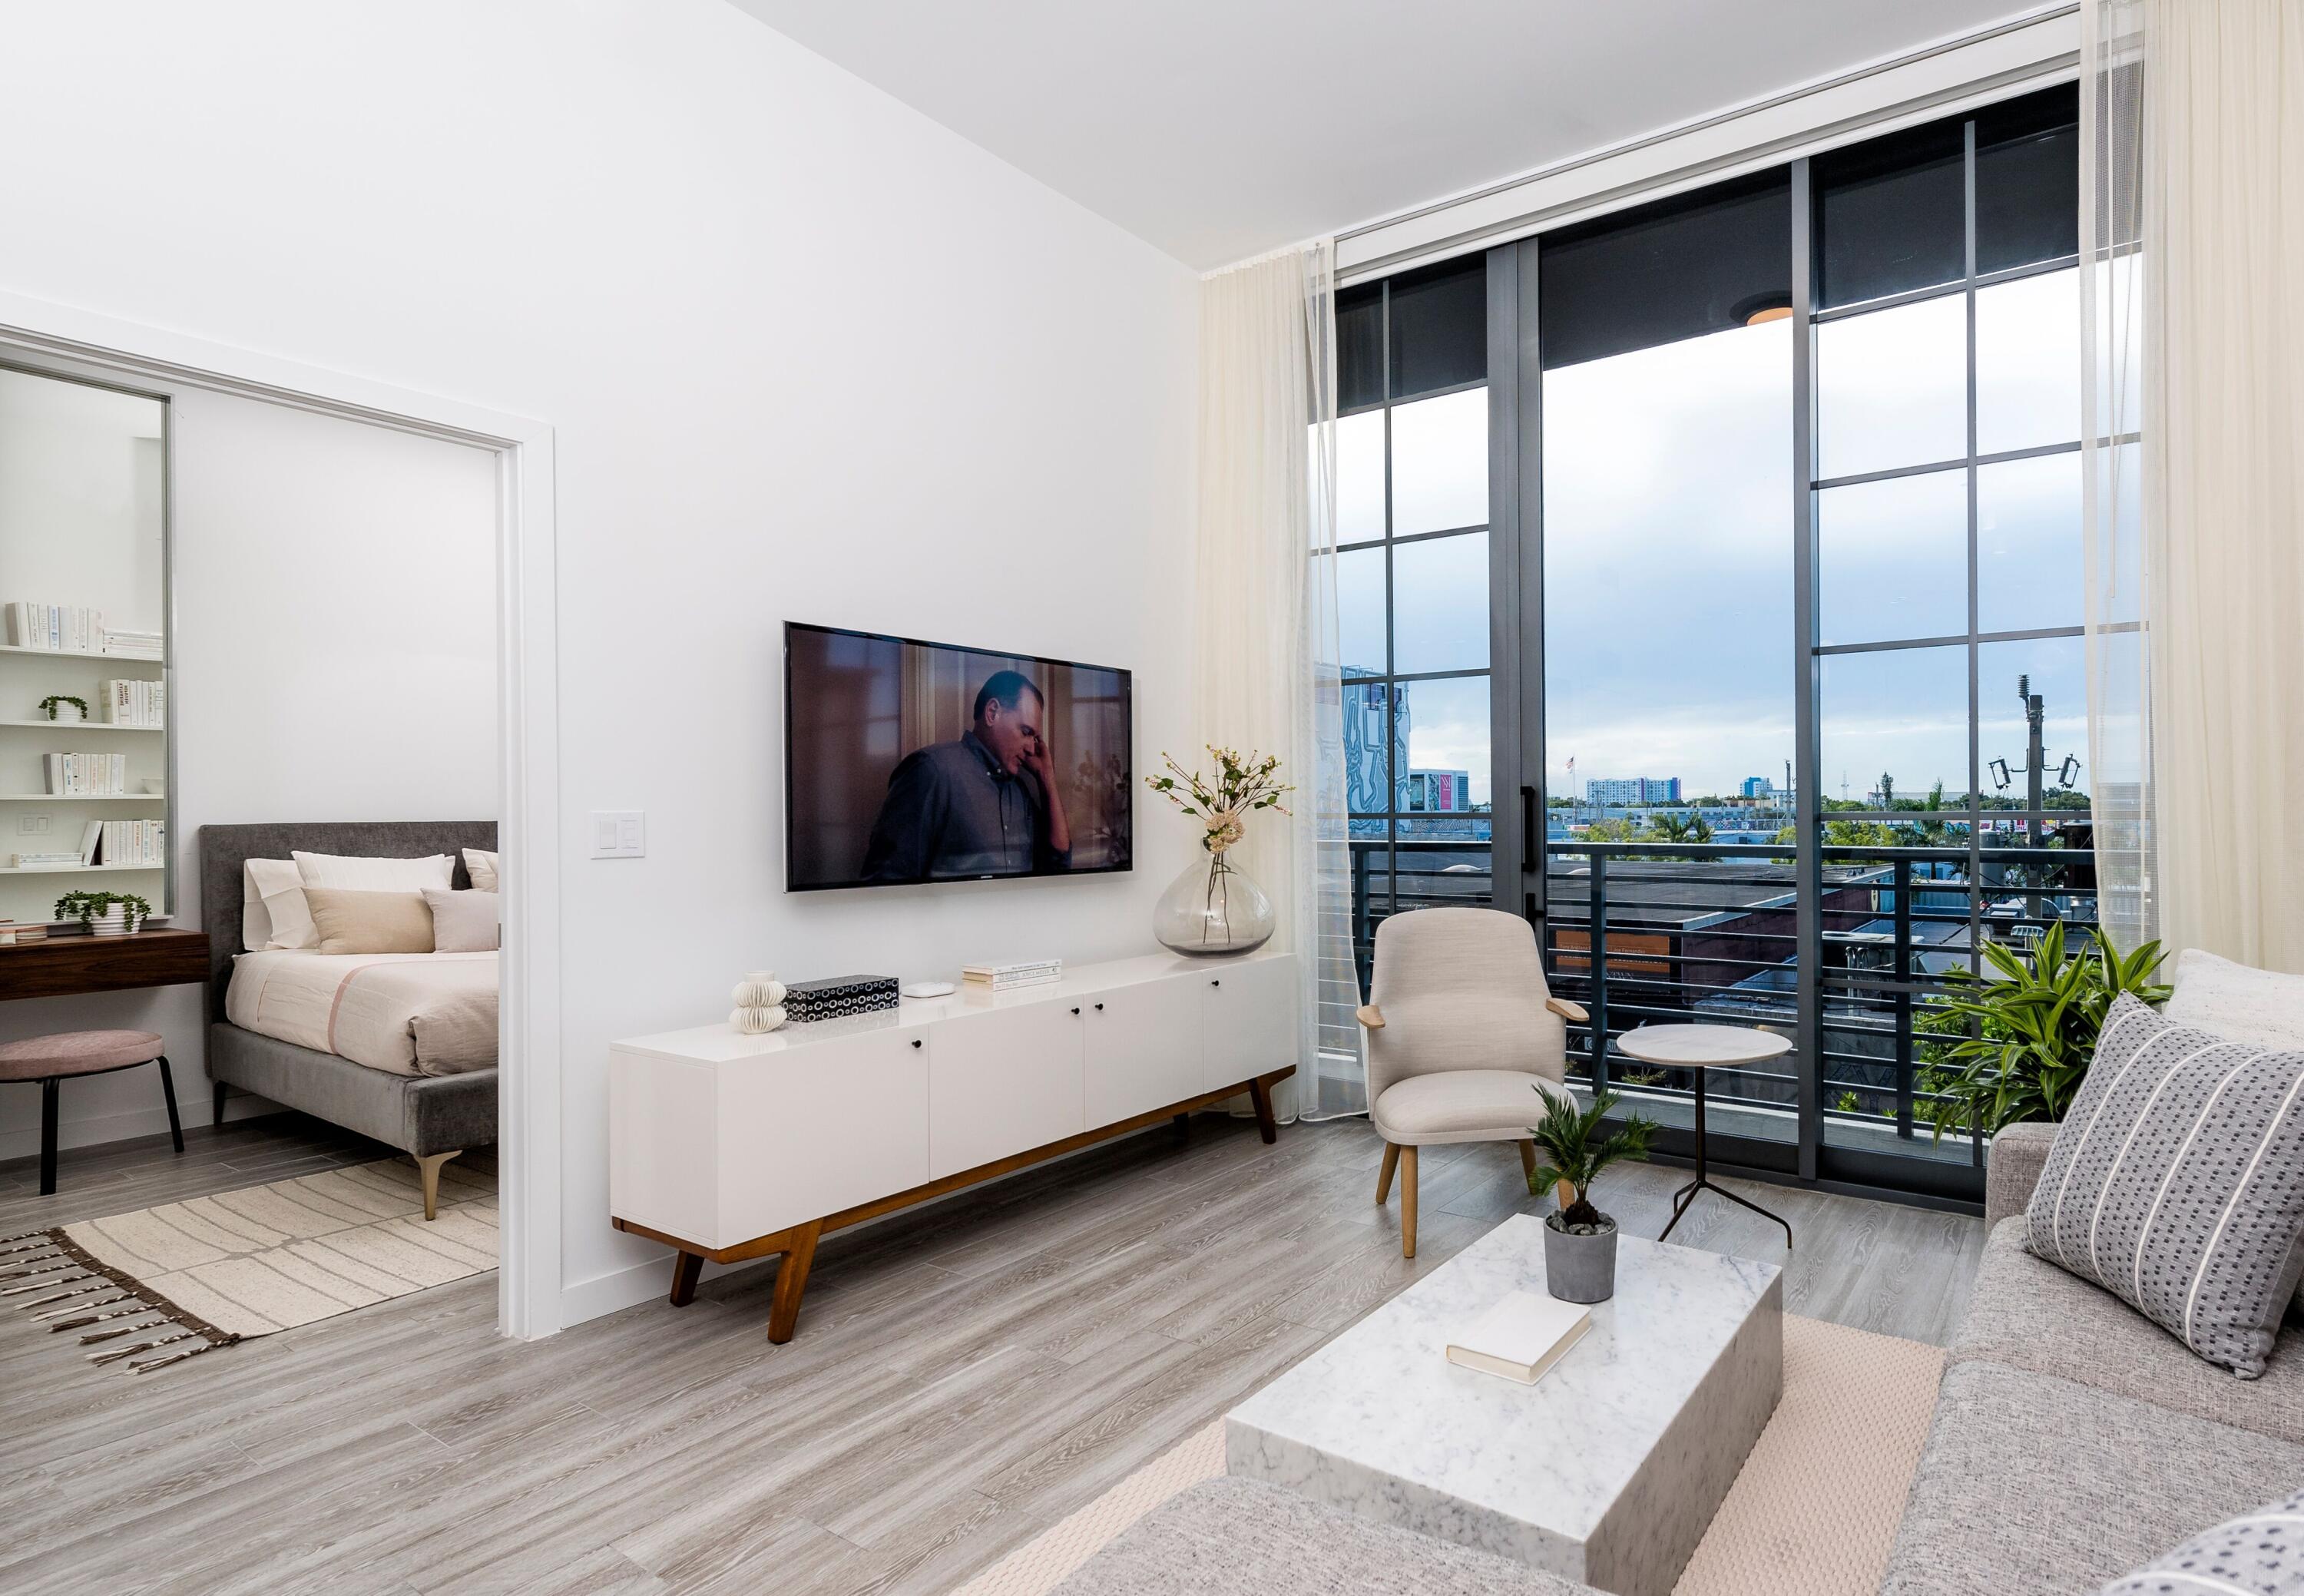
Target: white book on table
<point>1521,1337</point>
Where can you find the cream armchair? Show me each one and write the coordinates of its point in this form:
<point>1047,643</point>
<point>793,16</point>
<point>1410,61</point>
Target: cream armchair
<point>1463,1036</point>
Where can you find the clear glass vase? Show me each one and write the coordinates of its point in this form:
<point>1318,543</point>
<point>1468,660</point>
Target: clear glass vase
<point>1213,909</point>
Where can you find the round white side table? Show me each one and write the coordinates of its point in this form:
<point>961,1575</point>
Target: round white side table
<point>1703,1049</point>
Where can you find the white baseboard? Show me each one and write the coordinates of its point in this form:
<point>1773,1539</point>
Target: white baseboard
<point>105,1128</point>
<point>612,1293</point>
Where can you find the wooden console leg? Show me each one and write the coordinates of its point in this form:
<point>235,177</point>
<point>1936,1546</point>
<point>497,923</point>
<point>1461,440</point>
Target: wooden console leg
<point>1261,1095</point>
<point>686,1266</point>
<point>791,1279</point>
<point>1384,1176</point>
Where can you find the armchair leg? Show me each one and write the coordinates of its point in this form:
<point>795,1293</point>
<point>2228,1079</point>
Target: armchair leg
<point>1408,1202</point>
<point>1528,1158</point>
<point>1384,1176</point>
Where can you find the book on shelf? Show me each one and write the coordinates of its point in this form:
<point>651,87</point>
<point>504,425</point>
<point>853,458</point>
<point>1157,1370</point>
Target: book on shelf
<point>87,774</point>
<point>1008,983</point>
<point>130,842</point>
<point>132,645</point>
<point>55,628</point>
<point>126,702</point>
<point>44,862</point>
<point>1015,967</point>
<point>14,931</point>
<point>1522,1337</point>
<point>1002,978</point>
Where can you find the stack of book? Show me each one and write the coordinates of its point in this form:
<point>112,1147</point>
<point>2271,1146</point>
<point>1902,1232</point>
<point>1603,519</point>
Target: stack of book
<point>87,774</point>
<point>1002,978</point>
<point>134,703</point>
<point>56,628</point>
<point>123,841</point>
<point>12,933</point>
<point>131,645</point>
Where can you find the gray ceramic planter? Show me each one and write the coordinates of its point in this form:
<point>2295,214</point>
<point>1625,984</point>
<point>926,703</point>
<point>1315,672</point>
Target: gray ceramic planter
<point>1580,1268</point>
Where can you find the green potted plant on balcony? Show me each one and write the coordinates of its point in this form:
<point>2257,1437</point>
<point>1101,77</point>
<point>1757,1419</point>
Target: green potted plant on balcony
<point>2013,1043</point>
<point>1580,1241</point>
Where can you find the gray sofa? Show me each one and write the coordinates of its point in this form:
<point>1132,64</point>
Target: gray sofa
<point>2073,1441</point>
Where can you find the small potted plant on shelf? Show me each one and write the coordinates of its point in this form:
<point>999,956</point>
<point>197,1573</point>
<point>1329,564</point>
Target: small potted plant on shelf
<point>63,707</point>
<point>105,913</point>
<point>1580,1241</point>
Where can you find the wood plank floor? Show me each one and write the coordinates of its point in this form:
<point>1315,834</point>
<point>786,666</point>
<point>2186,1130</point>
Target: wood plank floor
<point>965,1375</point>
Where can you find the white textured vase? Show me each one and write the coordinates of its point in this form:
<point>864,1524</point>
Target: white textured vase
<point>760,1004</point>
<point>1213,909</point>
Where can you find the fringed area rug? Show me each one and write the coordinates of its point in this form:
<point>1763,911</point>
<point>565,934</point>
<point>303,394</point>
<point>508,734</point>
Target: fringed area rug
<point>1813,1512</point>
<point>153,1287</point>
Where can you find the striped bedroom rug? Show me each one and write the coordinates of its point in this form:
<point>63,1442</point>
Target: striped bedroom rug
<point>151,1289</point>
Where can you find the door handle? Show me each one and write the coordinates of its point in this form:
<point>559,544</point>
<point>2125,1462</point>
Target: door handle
<point>916,1041</point>
<point>1099,1008</point>
<point>1527,830</point>
<point>1076,1008</point>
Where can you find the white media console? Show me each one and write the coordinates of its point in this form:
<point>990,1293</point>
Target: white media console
<point>730,1146</point>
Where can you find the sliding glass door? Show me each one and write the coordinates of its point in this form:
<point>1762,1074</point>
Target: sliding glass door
<point>1778,637</point>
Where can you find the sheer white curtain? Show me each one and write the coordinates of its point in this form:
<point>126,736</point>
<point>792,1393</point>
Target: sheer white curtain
<point>2192,215</point>
<point>1267,622</point>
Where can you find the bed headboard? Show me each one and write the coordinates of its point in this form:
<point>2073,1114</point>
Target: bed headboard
<point>223,849</point>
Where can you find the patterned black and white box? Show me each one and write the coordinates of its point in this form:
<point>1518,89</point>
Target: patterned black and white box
<point>838,995</point>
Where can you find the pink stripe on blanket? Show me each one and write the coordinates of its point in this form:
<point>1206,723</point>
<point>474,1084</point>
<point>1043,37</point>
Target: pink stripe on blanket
<point>337,1001</point>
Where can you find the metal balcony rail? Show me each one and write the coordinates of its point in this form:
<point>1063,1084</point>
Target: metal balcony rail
<point>1652,933</point>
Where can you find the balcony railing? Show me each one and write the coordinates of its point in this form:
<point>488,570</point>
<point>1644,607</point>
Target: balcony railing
<point>1655,933</point>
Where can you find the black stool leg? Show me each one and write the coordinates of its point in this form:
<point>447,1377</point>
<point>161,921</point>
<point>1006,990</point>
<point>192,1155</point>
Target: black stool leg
<point>168,1091</point>
<point>219,1104</point>
<point>49,1135</point>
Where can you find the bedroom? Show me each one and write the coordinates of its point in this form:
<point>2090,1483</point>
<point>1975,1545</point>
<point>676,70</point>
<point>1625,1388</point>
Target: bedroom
<point>272,627</point>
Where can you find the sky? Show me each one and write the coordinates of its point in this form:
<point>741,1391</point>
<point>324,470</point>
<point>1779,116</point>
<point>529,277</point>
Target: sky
<point>1667,552</point>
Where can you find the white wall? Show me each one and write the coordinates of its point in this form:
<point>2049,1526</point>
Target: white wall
<point>806,353</point>
<point>335,660</point>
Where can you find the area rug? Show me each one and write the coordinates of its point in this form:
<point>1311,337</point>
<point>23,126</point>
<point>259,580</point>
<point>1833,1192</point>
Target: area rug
<point>151,1289</point>
<point>1813,1513</point>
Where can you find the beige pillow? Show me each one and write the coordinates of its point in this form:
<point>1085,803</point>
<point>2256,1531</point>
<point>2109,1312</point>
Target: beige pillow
<point>352,921</point>
<point>480,864</point>
<point>464,922</point>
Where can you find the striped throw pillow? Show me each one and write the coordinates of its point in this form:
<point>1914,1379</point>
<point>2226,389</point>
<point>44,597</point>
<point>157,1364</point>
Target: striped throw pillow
<point>2177,1182</point>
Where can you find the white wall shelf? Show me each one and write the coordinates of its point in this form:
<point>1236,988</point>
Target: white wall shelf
<point>81,725</point>
<point>82,654</point>
<point>71,870</point>
<point>83,797</point>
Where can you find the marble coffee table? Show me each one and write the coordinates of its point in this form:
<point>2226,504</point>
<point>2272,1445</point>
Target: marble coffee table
<point>1608,1470</point>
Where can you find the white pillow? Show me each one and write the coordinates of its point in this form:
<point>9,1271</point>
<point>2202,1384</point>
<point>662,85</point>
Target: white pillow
<point>2238,1002</point>
<point>376,875</point>
<point>464,921</point>
<point>255,924</point>
<point>278,889</point>
<point>480,864</point>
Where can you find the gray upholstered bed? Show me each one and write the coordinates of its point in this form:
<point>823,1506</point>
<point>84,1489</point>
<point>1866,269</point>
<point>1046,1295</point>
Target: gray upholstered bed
<point>433,1117</point>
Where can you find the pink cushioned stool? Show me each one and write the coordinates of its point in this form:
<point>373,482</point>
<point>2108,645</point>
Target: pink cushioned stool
<point>49,1060</point>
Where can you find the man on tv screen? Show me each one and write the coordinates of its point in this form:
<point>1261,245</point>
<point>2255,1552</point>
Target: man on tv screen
<point>985,804</point>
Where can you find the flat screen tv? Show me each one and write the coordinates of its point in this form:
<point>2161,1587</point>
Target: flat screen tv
<point>909,761</point>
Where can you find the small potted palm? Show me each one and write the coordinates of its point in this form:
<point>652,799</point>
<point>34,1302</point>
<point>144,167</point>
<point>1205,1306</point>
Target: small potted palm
<point>1580,1241</point>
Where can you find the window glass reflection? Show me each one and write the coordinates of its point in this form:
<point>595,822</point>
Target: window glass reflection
<point>1892,387</point>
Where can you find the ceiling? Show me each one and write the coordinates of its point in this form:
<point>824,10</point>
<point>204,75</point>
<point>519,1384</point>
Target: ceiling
<point>1216,130</point>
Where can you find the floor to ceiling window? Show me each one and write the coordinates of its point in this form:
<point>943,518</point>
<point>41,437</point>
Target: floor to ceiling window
<point>1413,588</point>
<point>1788,537</point>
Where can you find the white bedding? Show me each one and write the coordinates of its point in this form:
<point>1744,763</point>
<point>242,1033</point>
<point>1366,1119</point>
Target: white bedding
<point>411,1014</point>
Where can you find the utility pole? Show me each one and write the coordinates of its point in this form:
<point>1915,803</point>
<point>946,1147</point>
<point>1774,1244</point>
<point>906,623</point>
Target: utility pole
<point>2035,755</point>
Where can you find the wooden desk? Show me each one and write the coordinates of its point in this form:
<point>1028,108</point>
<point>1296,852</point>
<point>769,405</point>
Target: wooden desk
<point>67,964</point>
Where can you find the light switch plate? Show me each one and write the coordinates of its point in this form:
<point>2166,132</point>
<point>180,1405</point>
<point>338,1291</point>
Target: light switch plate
<point>619,833</point>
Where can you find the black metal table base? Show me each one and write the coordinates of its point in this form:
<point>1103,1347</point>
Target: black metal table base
<point>1685,1198</point>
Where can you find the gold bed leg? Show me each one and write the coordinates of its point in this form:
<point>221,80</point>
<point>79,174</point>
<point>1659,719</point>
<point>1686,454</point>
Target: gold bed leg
<point>428,1165</point>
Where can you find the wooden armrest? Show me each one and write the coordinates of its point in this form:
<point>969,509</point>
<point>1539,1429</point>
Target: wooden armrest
<point>1370,1015</point>
<point>1572,1012</point>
